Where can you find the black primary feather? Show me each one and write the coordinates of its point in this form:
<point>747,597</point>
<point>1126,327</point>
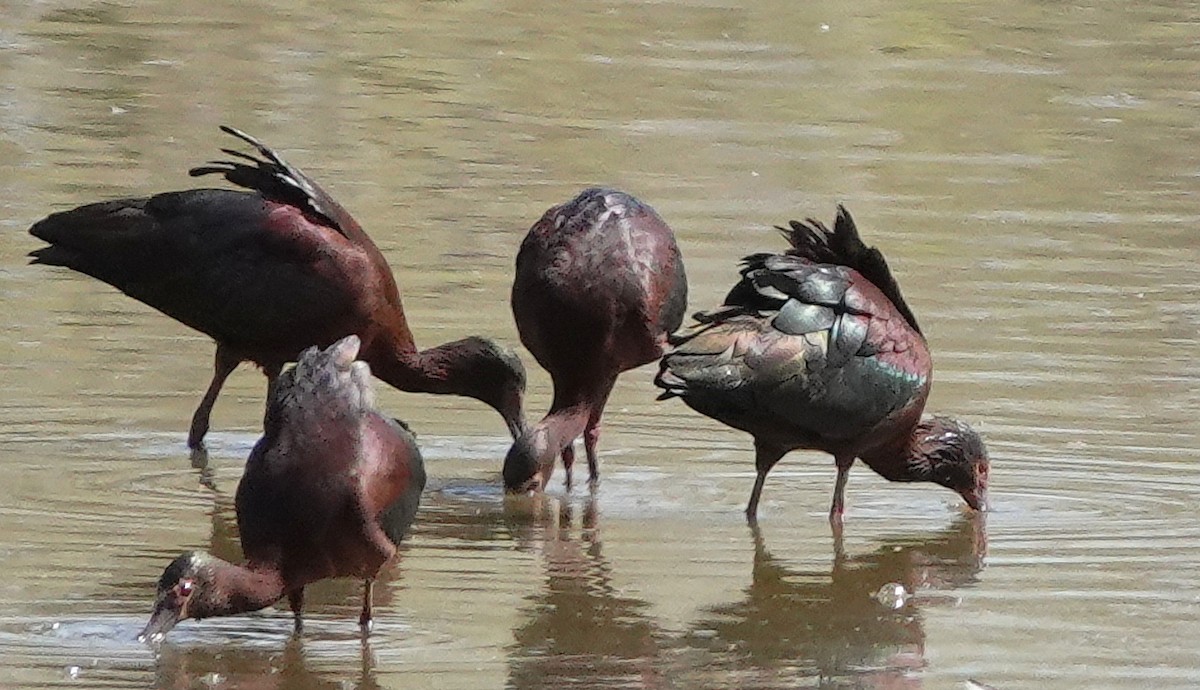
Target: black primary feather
<point>272,176</point>
<point>810,239</point>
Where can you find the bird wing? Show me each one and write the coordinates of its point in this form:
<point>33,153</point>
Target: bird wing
<point>808,350</point>
<point>799,297</point>
<point>394,496</point>
<point>276,179</point>
<point>247,272</point>
<point>300,502</point>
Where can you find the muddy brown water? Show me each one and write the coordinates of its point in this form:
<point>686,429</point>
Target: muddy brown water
<point>1030,170</point>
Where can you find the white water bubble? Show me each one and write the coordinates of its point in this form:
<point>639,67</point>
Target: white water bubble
<point>893,595</point>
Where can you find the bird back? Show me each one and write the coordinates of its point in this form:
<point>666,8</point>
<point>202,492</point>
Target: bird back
<point>805,346</point>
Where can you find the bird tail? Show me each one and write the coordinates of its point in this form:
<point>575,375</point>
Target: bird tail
<point>812,240</point>
<point>97,239</point>
<point>843,246</point>
<point>50,256</point>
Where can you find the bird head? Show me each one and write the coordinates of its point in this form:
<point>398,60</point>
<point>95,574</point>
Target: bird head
<point>491,375</point>
<point>951,454</point>
<point>524,465</point>
<point>183,591</point>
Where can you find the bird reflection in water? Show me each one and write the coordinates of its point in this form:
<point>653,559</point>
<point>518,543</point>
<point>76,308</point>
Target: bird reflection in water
<point>795,625</point>
<point>580,631</point>
<point>256,668</point>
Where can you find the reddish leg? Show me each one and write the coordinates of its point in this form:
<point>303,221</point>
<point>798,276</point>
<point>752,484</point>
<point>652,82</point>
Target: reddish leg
<point>591,434</point>
<point>223,365</point>
<point>838,509</point>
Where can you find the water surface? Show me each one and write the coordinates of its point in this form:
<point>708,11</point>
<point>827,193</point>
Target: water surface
<point>1029,169</point>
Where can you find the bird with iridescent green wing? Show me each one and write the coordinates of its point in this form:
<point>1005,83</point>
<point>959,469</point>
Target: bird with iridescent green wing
<point>816,349</point>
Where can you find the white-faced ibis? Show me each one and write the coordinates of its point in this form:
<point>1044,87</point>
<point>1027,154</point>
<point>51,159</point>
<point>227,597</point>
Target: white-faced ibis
<point>816,349</point>
<point>328,491</point>
<point>267,273</point>
<point>599,285</point>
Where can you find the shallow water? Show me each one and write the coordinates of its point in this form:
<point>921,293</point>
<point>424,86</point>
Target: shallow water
<point>1030,170</point>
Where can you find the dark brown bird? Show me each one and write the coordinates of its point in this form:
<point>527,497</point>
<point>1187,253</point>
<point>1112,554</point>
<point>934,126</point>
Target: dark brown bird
<point>599,285</point>
<point>267,273</point>
<point>816,349</point>
<point>329,491</point>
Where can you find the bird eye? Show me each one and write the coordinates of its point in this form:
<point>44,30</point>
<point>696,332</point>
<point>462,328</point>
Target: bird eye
<point>186,587</point>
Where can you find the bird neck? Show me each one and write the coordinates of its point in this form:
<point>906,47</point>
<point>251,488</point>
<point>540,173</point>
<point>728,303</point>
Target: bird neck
<point>397,361</point>
<point>536,450</point>
<point>559,429</point>
<point>462,367</point>
<point>233,589</point>
<point>471,367</point>
<point>574,402</point>
<point>905,458</point>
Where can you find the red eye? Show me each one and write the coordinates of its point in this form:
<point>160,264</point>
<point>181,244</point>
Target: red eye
<point>186,587</point>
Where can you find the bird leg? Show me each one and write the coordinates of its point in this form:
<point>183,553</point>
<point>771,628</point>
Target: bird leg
<point>368,662</point>
<point>765,457</point>
<point>364,618</point>
<point>591,436</point>
<point>591,433</point>
<point>553,437</point>
<point>296,601</point>
<point>223,365</point>
<point>568,460</point>
<point>838,509</point>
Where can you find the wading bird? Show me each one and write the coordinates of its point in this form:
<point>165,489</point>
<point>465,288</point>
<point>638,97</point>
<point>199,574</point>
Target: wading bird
<point>266,273</point>
<point>599,286</point>
<point>816,349</point>
<point>328,491</point>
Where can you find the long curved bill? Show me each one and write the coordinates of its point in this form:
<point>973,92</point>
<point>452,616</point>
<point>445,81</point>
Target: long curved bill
<point>161,621</point>
<point>977,499</point>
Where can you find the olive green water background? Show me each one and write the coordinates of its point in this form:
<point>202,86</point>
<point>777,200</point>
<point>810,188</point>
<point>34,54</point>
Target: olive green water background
<point>1030,169</point>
